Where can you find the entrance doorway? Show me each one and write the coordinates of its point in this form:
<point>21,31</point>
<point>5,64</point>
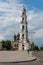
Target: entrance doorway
<point>22,47</point>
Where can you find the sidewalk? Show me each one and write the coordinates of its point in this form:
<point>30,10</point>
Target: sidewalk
<point>16,56</point>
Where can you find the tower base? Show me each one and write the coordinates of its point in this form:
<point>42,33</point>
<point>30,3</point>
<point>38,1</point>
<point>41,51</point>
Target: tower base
<point>24,46</point>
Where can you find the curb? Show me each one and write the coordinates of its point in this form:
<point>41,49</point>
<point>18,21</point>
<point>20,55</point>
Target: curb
<point>21,61</point>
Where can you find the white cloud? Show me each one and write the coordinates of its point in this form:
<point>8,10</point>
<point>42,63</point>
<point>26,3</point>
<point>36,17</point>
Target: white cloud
<point>1,37</point>
<point>35,21</point>
<point>32,16</point>
<point>39,33</point>
<point>12,16</point>
<point>30,27</point>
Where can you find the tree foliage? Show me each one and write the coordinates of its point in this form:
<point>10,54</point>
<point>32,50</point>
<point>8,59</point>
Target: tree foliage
<point>6,44</point>
<point>41,48</point>
<point>3,43</point>
<point>34,47</point>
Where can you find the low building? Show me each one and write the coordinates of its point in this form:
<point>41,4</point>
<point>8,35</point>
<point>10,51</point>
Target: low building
<point>15,45</point>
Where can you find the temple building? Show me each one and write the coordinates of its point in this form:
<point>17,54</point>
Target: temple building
<point>23,43</point>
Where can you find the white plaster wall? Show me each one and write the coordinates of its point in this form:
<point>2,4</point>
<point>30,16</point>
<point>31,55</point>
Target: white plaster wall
<point>20,46</point>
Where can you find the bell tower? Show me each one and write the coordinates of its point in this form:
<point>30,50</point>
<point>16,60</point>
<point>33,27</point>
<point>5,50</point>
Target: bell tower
<point>23,26</point>
<point>23,31</point>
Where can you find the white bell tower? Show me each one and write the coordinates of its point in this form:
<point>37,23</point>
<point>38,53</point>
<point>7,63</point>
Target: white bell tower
<point>23,26</point>
<point>23,45</point>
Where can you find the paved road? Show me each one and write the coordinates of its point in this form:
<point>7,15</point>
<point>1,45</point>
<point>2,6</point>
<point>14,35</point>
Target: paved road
<point>39,61</point>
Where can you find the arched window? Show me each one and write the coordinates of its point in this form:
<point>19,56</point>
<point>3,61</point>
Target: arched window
<point>22,36</point>
<point>15,45</point>
<point>23,13</point>
<point>23,27</point>
<point>22,18</point>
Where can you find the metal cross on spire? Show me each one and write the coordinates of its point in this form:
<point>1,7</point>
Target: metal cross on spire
<point>23,6</point>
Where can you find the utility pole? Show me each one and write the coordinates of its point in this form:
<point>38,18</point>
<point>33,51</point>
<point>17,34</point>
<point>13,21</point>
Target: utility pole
<point>31,33</point>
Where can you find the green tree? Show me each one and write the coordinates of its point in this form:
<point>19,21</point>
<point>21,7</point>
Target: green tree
<point>8,44</point>
<point>41,48</point>
<point>36,48</point>
<point>3,44</point>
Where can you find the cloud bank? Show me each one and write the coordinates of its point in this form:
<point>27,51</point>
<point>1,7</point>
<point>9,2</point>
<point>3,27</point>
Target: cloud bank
<point>10,18</point>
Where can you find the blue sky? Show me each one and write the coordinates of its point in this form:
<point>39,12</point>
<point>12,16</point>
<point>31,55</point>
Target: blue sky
<point>10,18</point>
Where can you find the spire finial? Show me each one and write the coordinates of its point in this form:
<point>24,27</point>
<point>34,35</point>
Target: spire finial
<point>23,7</point>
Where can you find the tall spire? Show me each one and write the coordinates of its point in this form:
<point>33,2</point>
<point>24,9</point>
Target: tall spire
<point>24,8</point>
